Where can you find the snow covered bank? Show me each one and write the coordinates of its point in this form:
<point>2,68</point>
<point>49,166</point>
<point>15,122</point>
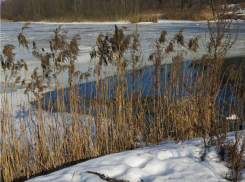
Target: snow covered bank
<point>169,161</point>
<point>180,21</point>
<point>81,23</point>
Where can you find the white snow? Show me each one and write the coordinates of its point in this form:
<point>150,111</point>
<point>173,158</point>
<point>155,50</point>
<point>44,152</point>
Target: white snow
<point>81,23</point>
<point>169,161</point>
<point>41,33</point>
<point>180,21</point>
<point>232,117</point>
<point>113,22</point>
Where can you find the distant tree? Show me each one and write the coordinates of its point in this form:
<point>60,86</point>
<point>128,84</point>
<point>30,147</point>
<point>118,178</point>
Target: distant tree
<point>94,9</point>
<point>212,5</point>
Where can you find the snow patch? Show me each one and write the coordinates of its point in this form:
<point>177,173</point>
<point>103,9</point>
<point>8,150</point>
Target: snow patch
<point>169,161</point>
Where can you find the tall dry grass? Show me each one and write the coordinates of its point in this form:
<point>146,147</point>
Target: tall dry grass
<point>144,18</point>
<point>195,14</point>
<point>119,110</point>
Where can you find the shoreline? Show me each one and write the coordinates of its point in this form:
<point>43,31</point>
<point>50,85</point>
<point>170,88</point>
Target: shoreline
<point>148,70</point>
<point>103,22</point>
<point>5,20</point>
<point>160,21</point>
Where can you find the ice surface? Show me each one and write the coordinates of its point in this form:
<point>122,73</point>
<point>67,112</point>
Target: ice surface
<point>82,23</point>
<point>41,33</point>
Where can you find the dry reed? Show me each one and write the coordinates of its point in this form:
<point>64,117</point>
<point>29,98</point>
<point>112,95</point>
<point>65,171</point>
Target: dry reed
<point>115,112</point>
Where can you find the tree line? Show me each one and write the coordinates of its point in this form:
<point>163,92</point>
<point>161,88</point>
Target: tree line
<point>36,10</point>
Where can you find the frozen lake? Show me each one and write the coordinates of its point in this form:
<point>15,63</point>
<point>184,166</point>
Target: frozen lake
<point>41,33</point>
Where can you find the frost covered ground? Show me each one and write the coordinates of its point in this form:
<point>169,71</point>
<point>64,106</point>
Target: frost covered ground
<point>169,161</point>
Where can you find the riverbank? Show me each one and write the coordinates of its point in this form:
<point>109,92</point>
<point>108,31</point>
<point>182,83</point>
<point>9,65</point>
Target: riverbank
<point>170,161</point>
<point>168,14</point>
<point>5,20</point>
<point>159,21</point>
<point>120,115</point>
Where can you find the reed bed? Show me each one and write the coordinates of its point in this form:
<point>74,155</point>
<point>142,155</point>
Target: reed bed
<point>187,14</point>
<point>144,18</point>
<point>119,110</point>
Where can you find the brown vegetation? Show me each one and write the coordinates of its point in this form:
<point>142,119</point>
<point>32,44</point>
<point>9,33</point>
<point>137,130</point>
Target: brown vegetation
<point>187,14</point>
<point>235,151</point>
<point>110,10</point>
<point>117,115</point>
<point>144,18</point>
<point>4,20</point>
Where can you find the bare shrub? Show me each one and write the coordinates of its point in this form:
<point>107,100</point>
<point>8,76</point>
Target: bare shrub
<point>235,151</point>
